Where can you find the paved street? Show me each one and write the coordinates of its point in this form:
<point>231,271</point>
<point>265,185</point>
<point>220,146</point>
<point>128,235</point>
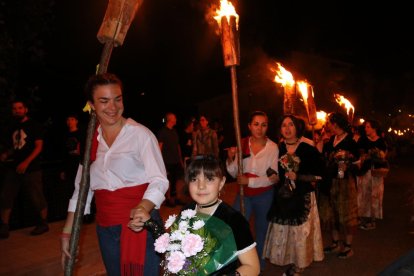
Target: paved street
<point>23,254</point>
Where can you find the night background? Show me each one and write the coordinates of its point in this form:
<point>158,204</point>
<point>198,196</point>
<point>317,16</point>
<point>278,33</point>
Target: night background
<point>171,59</point>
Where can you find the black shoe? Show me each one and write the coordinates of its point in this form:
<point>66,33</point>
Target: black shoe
<point>4,231</point>
<point>39,229</point>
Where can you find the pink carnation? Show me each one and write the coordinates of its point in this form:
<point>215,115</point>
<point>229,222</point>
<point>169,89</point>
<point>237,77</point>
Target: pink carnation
<point>161,244</point>
<point>191,245</point>
<point>176,261</point>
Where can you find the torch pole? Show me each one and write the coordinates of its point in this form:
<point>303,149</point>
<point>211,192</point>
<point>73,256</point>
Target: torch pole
<point>236,123</point>
<point>231,58</point>
<point>84,184</point>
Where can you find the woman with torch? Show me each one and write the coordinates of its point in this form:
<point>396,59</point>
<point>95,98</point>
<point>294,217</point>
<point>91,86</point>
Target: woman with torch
<point>128,180</point>
<point>260,155</point>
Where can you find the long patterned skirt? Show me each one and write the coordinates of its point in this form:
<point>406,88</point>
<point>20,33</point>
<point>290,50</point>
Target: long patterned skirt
<point>299,245</point>
<point>370,196</point>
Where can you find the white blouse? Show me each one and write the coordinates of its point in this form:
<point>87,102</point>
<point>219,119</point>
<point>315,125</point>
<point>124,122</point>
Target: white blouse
<point>134,158</point>
<point>257,164</point>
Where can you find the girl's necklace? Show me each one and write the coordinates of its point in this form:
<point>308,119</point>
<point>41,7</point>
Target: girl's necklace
<point>208,205</point>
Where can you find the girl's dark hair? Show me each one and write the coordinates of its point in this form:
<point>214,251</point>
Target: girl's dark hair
<point>100,79</point>
<point>256,113</point>
<point>341,121</point>
<point>208,164</point>
<point>297,122</point>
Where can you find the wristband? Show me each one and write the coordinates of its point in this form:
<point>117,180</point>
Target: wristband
<point>67,230</point>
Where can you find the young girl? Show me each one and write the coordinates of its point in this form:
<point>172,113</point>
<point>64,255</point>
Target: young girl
<point>205,179</point>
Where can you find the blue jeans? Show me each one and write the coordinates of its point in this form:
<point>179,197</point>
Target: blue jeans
<point>109,243</point>
<point>257,205</point>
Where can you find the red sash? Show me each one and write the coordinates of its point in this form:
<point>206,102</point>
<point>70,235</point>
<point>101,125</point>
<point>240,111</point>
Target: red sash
<point>113,208</point>
<point>248,191</point>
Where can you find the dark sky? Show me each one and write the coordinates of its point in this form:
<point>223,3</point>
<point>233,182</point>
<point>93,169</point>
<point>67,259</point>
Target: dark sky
<point>172,56</point>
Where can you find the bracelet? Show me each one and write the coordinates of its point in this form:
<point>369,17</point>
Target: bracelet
<point>67,230</point>
<point>65,235</point>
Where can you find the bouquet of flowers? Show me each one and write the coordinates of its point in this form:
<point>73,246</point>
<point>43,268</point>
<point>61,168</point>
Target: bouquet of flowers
<point>342,156</point>
<point>290,163</point>
<point>197,244</point>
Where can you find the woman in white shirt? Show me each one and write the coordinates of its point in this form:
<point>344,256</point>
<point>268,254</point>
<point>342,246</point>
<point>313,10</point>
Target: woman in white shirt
<point>260,165</point>
<point>128,180</point>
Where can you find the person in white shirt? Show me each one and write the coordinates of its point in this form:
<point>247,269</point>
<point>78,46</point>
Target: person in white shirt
<point>128,180</point>
<point>260,166</point>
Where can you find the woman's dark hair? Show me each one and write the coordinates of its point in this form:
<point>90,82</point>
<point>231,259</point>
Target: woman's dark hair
<point>100,79</point>
<point>256,113</point>
<point>297,122</point>
<point>208,164</point>
<point>375,125</point>
<point>341,120</point>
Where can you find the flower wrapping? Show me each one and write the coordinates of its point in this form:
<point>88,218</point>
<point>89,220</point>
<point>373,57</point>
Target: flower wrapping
<point>196,244</point>
<point>290,163</point>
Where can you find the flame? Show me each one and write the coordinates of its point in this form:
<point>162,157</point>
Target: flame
<point>226,9</point>
<point>283,76</point>
<point>303,88</point>
<point>321,115</point>
<point>342,101</point>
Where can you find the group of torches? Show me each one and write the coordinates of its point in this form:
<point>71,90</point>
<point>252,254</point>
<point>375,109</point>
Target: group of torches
<point>293,88</point>
<point>228,19</point>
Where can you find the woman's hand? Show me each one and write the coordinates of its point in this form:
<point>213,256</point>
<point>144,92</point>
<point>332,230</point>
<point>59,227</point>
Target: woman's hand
<point>274,178</point>
<point>291,175</point>
<point>139,215</point>
<point>64,241</point>
<point>242,180</point>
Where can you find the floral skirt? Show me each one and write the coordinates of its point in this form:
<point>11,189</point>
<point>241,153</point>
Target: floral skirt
<point>300,245</point>
<point>370,196</point>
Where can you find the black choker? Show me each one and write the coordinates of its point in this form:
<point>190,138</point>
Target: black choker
<point>294,143</point>
<point>209,205</point>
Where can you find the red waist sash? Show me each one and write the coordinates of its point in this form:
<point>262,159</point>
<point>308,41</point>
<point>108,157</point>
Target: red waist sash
<point>113,208</point>
<point>248,191</point>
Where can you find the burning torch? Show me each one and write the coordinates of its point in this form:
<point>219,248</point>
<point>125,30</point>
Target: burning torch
<point>118,17</point>
<point>285,78</point>
<point>228,21</point>
<point>350,110</point>
<point>307,94</point>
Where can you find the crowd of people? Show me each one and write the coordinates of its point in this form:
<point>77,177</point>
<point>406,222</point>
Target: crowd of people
<point>293,185</point>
